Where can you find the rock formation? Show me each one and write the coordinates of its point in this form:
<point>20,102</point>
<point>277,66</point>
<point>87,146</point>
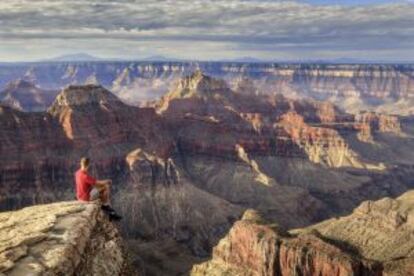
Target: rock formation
<point>301,128</point>
<point>387,88</point>
<point>25,96</point>
<point>380,122</point>
<point>376,239</point>
<point>66,238</point>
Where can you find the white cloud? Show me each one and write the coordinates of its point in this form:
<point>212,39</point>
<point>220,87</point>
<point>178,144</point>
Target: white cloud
<point>261,27</point>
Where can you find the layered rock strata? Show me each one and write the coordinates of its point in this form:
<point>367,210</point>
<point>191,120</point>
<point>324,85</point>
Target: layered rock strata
<point>355,87</point>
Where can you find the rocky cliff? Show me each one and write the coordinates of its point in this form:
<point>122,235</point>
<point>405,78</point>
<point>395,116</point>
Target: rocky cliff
<point>380,122</point>
<point>303,128</point>
<point>66,238</point>
<point>386,87</point>
<point>374,240</point>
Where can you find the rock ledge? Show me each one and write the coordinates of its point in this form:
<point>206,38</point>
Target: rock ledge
<point>63,238</point>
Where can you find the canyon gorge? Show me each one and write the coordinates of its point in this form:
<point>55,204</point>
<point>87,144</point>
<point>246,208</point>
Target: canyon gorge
<point>218,168</point>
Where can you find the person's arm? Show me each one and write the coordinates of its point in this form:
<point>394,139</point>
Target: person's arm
<point>102,183</point>
<point>99,184</point>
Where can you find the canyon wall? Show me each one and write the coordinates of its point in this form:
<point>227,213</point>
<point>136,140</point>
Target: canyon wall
<point>373,240</point>
<point>387,87</point>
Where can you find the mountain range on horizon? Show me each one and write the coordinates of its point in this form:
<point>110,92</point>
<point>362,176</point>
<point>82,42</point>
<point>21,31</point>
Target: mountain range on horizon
<point>86,57</point>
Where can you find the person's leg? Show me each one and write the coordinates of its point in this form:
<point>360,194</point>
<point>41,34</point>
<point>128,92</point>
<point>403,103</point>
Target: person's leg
<point>105,199</point>
<point>104,195</point>
<point>94,194</point>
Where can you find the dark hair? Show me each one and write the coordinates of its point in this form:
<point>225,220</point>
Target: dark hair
<point>85,161</point>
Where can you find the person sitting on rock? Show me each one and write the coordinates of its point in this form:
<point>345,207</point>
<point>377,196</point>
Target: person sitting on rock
<point>90,189</point>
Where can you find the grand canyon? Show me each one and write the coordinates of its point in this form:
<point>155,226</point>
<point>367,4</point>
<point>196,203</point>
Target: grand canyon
<point>218,168</point>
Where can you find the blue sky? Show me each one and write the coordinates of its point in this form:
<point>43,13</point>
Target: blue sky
<point>208,29</point>
<point>350,2</point>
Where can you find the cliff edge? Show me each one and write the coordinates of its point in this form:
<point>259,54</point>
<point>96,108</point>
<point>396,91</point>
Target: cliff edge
<point>65,238</point>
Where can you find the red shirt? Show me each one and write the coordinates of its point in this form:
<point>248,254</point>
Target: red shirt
<point>84,184</point>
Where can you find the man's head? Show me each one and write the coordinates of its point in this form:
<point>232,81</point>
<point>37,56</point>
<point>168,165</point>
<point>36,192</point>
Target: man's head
<point>84,163</point>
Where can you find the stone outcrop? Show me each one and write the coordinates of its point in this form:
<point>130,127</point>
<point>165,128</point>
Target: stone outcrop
<point>376,239</point>
<point>66,238</point>
<point>73,96</point>
<point>322,145</point>
<point>380,122</point>
<point>25,96</point>
<point>195,89</point>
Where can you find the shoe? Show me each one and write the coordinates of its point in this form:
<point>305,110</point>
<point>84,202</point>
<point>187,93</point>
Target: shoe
<point>107,208</point>
<point>114,216</point>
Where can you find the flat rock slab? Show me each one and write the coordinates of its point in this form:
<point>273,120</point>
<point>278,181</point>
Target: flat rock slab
<point>53,239</point>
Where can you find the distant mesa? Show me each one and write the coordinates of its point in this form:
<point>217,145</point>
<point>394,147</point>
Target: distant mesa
<point>200,85</point>
<point>247,60</point>
<point>159,58</point>
<point>81,57</point>
<point>75,57</point>
<point>196,86</point>
<point>78,95</point>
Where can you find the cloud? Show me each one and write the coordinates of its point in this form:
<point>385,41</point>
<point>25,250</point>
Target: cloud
<point>263,27</point>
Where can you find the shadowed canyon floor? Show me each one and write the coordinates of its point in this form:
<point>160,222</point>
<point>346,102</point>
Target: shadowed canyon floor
<point>188,166</point>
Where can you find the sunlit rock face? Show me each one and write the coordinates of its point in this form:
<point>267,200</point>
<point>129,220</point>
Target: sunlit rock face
<point>380,122</point>
<point>66,238</point>
<point>261,125</point>
<point>373,240</point>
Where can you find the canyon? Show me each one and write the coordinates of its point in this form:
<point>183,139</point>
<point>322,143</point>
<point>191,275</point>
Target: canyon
<point>385,88</point>
<point>375,239</point>
<point>188,163</point>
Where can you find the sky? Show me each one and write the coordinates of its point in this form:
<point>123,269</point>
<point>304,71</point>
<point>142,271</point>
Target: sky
<point>279,30</point>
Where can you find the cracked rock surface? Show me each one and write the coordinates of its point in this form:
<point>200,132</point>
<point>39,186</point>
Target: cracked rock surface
<point>66,238</point>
